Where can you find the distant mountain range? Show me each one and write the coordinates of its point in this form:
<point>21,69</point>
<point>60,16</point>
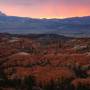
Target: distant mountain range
<point>74,27</point>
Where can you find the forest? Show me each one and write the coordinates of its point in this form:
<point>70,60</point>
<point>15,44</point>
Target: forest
<point>44,62</point>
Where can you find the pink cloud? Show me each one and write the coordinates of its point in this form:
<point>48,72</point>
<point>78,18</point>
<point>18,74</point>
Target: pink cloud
<point>46,8</point>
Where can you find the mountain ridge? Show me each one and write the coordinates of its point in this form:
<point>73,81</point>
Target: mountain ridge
<point>74,27</point>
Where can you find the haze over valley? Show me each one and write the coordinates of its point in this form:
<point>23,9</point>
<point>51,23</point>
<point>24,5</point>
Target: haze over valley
<point>73,27</point>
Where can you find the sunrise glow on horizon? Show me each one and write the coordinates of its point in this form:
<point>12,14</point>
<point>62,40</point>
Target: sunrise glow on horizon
<point>46,8</point>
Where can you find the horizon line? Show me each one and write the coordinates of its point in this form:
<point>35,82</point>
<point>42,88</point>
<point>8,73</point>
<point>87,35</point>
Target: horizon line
<point>49,18</point>
<point>61,17</point>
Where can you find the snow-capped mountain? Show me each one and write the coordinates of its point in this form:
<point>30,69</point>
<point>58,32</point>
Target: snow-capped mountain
<point>2,14</point>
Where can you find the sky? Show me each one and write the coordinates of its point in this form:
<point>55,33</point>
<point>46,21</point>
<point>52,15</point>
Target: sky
<point>46,8</point>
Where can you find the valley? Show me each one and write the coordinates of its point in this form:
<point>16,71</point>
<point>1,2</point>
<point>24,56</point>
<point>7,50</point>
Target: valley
<point>71,27</point>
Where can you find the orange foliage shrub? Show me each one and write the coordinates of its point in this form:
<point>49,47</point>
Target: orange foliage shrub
<point>77,83</point>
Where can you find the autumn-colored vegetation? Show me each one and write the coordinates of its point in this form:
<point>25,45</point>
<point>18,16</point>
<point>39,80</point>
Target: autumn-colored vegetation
<point>36,63</point>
